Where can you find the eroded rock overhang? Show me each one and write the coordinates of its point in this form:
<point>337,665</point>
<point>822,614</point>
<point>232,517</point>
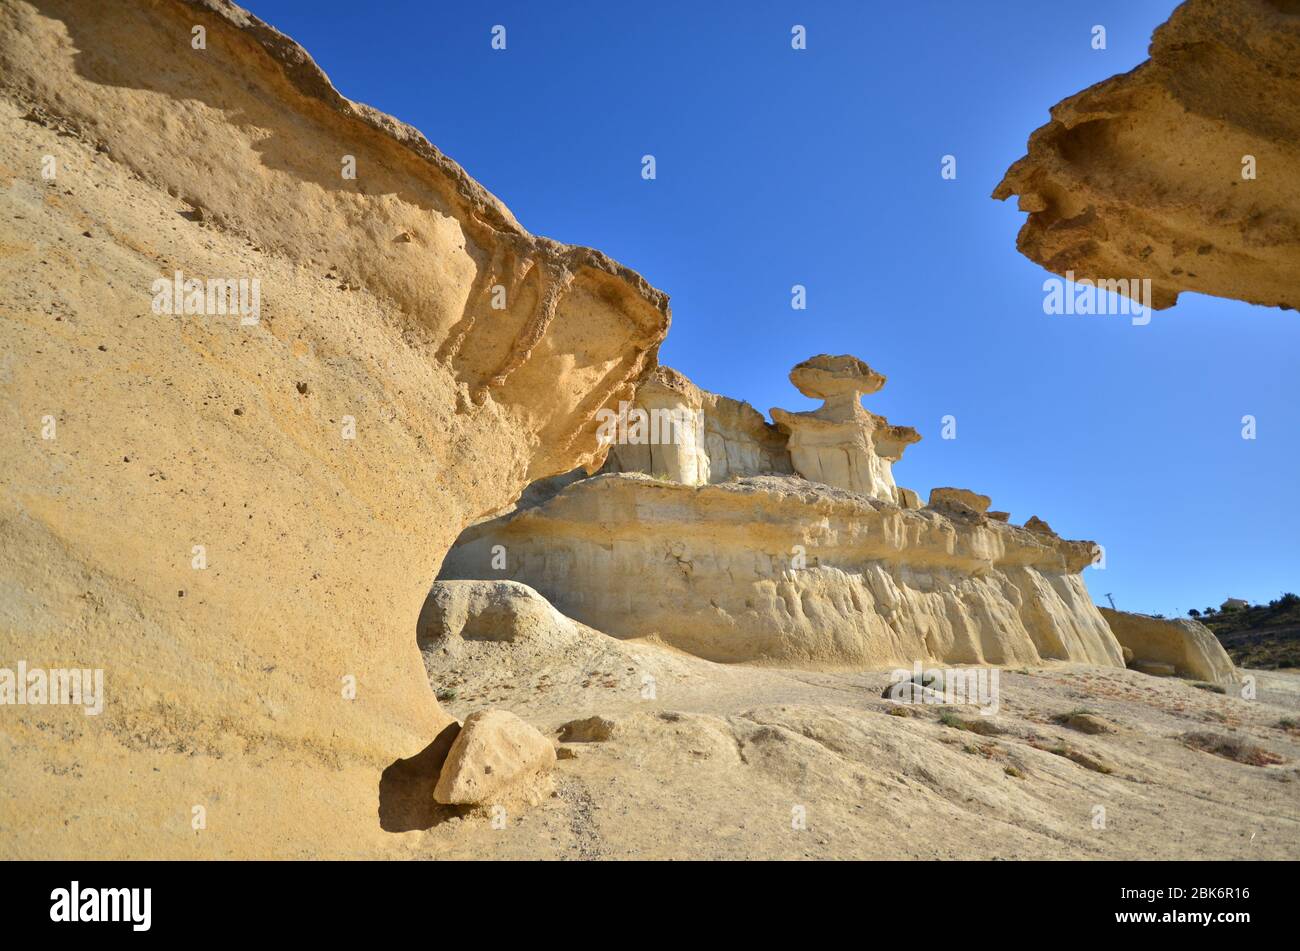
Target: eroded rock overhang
<point>322,457</point>
<point>1181,172</point>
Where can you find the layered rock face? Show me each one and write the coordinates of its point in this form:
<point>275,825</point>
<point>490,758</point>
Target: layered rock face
<point>1183,170</point>
<point>1185,647</point>
<point>689,435</point>
<point>238,521</point>
<point>787,569</point>
<point>840,443</point>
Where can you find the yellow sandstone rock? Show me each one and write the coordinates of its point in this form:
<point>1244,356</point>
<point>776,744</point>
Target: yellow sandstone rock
<point>1181,171</point>
<point>841,443</point>
<point>238,522</point>
<point>1188,648</point>
<point>959,501</point>
<point>835,567</point>
<point>777,569</point>
<point>496,756</point>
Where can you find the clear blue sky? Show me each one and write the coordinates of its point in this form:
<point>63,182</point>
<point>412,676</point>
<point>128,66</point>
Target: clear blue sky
<point>821,167</point>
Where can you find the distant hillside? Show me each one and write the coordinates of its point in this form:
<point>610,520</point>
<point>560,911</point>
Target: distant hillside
<point>1266,635</point>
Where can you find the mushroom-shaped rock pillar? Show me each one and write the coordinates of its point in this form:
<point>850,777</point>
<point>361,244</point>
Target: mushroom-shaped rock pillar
<point>841,443</point>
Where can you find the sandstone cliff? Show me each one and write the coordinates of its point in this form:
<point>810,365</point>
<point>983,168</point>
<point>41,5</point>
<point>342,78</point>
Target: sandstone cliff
<point>1183,170</point>
<point>239,521</point>
<point>782,570</point>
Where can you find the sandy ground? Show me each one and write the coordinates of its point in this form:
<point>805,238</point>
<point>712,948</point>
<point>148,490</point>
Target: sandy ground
<point>724,761</point>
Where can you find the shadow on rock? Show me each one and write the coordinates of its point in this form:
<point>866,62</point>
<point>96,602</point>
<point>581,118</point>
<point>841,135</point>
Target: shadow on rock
<point>406,788</point>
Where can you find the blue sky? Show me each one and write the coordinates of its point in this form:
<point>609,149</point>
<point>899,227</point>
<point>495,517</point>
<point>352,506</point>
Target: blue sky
<point>821,167</point>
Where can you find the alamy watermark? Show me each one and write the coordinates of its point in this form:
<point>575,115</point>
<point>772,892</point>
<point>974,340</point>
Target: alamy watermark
<point>37,686</point>
<point>1123,296</point>
<point>634,426</point>
<point>77,903</point>
<point>216,297</point>
<point>971,686</point>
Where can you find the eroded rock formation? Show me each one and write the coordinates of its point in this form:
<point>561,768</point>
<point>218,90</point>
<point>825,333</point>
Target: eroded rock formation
<point>841,443</point>
<point>960,502</point>
<point>776,569</point>
<point>787,569</point>
<point>676,430</point>
<point>1185,647</point>
<point>1183,170</point>
<point>238,522</point>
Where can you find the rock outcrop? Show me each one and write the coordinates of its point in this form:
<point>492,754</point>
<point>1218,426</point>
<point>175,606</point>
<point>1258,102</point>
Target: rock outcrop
<point>685,434</point>
<point>238,521</point>
<point>841,443</point>
<point>960,502</point>
<point>788,569</point>
<point>501,611</point>
<point>1181,171</point>
<point>469,626</point>
<point>1186,647</point>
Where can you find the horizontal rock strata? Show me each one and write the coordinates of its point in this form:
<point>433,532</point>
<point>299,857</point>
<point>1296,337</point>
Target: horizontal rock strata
<point>778,569</point>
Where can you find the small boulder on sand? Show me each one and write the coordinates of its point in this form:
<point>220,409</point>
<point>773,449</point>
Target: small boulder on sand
<point>590,730</point>
<point>495,754</point>
<point>1087,723</point>
<point>909,691</point>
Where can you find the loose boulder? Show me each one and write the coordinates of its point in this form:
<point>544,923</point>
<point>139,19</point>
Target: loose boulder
<point>959,501</point>
<point>590,730</point>
<point>1086,722</point>
<point>496,755</point>
<point>1179,647</point>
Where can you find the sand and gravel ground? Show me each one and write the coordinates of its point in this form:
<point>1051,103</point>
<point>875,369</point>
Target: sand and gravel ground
<point>723,762</point>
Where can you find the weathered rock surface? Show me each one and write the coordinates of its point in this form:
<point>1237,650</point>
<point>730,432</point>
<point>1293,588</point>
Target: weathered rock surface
<point>1141,176</point>
<point>678,431</point>
<point>738,743</point>
<point>495,755</point>
<point>587,730</point>
<point>184,441</point>
<point>468,626</point>
<point>1188,648</point>
<point>781,570</point>
<point>1087,723</point>
<point>959,502</point>
<point>1036,524</point>
<point>489,611</point>
<point>841,443</point>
